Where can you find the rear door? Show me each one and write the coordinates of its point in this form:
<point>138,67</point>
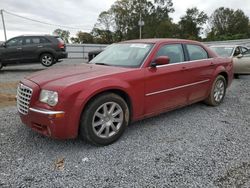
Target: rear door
<point>13,50</point>
<point>200,69</point>
<point>29,48</point>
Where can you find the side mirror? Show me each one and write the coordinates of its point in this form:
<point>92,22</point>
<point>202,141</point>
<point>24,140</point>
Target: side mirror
<point>161,60</point>
<point>239,56</point>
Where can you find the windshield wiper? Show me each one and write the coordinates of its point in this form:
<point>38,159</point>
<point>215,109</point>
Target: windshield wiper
<point>102,64</point>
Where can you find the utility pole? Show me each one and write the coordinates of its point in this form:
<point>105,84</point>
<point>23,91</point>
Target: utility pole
<point>140,23</point>
<point>4,28</point>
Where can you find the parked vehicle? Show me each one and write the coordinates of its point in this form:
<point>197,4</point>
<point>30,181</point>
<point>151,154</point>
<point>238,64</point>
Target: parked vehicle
<point>128,81</point>
<point>46,49</point>
<point>240,55</point>
<point>93,54</point>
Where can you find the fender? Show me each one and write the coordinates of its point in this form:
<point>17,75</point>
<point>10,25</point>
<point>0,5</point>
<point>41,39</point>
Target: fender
<point>220,69</point>
<point>47,50</point>
<point>94,88</point>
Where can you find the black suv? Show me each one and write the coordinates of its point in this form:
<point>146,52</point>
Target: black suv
<point>46,49</point>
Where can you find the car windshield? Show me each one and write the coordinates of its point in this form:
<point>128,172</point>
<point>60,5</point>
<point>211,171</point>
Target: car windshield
<point>123,54</point>
<point>223,51</point>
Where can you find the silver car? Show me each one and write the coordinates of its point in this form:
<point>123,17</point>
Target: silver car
<point>240,55</point>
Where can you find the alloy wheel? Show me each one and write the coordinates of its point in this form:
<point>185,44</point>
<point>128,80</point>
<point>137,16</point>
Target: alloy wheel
<point>107,120</point>
<point>219,90</point>
<point>47,60</point>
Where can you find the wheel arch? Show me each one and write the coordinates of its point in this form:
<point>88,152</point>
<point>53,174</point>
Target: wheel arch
<point>46,52</point>
<point>225,75</point>
<point>123,94</point>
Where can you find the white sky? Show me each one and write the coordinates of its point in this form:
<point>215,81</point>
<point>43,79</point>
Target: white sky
<point>84,13</point>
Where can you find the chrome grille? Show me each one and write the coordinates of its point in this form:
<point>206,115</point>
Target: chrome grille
<point>24,94</point>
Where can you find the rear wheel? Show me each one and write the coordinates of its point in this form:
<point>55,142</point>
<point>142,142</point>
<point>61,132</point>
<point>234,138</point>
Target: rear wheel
<point>47,59</point>
<point>217,92</point>
<point>104,119</point>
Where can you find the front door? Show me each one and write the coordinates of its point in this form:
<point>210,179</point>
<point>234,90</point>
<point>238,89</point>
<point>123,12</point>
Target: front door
<point>165,85</point>
<point>12,52</point>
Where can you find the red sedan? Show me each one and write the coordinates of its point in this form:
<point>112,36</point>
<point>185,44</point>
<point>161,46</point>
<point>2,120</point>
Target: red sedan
<point>128,81</point>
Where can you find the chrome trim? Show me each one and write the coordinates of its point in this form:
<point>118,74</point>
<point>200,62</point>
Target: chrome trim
<point>24,94</point>
<point>46,112</point>
<point>179,87</point>
<point>183,62</point>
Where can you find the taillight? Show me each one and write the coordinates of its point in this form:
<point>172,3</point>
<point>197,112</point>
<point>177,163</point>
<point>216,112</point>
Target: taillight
<point>61,45</point>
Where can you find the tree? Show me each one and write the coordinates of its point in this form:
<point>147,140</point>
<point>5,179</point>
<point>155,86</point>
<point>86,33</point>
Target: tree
<point>102,36</point>
<point>105,21</point>
<point>63,34</point>
<point>123,16</point>
<point>82,37</point>
<point>191,24</point>
<point>226,24</point>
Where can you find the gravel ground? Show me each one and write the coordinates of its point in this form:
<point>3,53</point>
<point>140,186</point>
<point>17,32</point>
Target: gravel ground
<point>196,146</point>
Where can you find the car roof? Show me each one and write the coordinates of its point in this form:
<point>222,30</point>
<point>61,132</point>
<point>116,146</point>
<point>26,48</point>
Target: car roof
<point>226,45</point>
<point>32,35</point>
<point>159,40</point>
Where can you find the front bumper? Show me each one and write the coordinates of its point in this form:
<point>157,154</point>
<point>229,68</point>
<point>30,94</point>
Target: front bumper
<point>47,122</point>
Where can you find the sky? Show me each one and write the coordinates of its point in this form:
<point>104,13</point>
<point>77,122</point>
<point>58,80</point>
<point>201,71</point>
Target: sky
<point>83,14</point>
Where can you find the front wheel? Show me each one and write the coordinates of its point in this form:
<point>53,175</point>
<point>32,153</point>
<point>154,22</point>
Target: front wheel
<point>47,60</point>
<point>104,119</point>
<point>217,92</point>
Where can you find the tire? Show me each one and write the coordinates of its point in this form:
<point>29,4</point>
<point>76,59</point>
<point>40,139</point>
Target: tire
<point>217,92</point>
<point>98,126</point>
<point>236,76</point>
<point>47,59</point>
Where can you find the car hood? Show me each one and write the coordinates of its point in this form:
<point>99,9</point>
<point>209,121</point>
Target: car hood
<point>68,75</point>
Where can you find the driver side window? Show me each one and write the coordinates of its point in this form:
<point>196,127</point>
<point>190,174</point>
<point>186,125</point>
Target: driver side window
<point>173,51</point>
<point>14,42</point>
<point>237,51</point>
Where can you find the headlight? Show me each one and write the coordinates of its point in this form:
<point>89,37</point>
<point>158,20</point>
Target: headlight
<point>49,97</point>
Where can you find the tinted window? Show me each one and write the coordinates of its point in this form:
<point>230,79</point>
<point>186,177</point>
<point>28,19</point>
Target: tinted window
<point>35,40</point>
<point>245,51</point>
<point>15,42</point>
<point>196,52</point>
<point>44,40</point>
<point>173,51</point>
<point>60,40</point>
<point>27,41</point>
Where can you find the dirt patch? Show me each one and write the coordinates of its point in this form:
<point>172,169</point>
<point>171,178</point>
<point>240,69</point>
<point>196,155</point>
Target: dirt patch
<point>235,177</point>
<point>7,93</point>
<point>8,85</point>
<point>7,100</point>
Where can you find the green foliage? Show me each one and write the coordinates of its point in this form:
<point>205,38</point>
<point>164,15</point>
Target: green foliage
<point>120,23</point>
<point>82,37</point>
<point>227,24</point>
<point>191,24</point>
<point>63,34</point>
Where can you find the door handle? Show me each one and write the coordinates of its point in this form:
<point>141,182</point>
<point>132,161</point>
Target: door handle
<point>19,48</point>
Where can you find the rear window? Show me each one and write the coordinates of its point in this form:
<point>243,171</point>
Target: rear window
<point>44,40</point>
<point>60,40</point>
<point>196,52</point>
